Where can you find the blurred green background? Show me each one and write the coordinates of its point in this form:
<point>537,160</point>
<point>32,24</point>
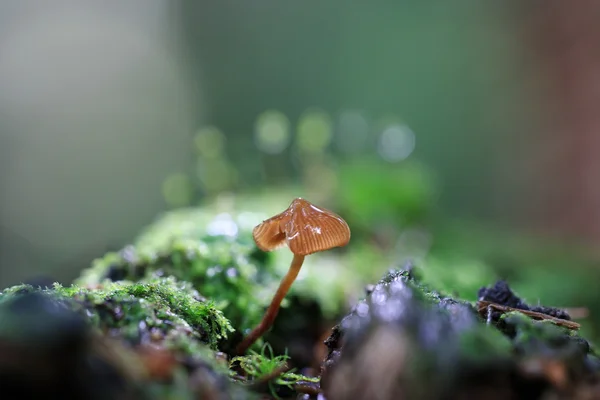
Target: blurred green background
<point>414,120</point>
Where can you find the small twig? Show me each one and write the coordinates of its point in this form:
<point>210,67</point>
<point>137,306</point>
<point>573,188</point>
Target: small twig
<point>484,305</point>
<point>310,388</point>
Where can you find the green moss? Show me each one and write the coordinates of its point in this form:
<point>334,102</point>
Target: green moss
<point>212,248</point>
<point>412,278</point>
<point>263,364</point>
<point>526,323</point>
<point>484,343</point>
<point>529,329</point>
<point>325,277</point>
<point>164,312</point>
<point>159,309</point>
<point>215,254</point>
<point>545,337</point>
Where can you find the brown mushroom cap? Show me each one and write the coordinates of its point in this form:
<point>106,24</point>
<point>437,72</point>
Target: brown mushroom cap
<point>305,228</point>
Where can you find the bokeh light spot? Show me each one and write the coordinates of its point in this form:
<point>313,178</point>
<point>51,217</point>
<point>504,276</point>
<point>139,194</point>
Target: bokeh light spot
<point>209,142</point>
<point>396,142</point>
<point>216,175</point>
<point>177,190</point>
<point>314,131</point>
<point>222,225</point>
<point>321,181</point>
<point>413,244</point>
<point>272,132</point>
<point>352,132</point>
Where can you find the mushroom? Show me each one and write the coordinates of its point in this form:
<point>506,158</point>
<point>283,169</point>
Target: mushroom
<point>305,229</point>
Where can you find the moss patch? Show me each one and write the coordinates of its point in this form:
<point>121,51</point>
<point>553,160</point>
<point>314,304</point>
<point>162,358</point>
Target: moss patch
<point>214,253</point>
<point>258,366</point>
<point>213,249</point>
<point>162,310</point>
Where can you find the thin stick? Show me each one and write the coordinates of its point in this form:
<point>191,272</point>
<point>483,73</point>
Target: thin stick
<point>311,388</point>
<point>483,305</point>
<point>273,309</point>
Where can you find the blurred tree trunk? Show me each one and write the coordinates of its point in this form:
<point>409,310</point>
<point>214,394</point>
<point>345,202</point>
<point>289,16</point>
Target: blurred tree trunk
<point>566,42</point>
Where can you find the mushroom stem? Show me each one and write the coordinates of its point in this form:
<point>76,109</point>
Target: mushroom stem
<point>273,309</point>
